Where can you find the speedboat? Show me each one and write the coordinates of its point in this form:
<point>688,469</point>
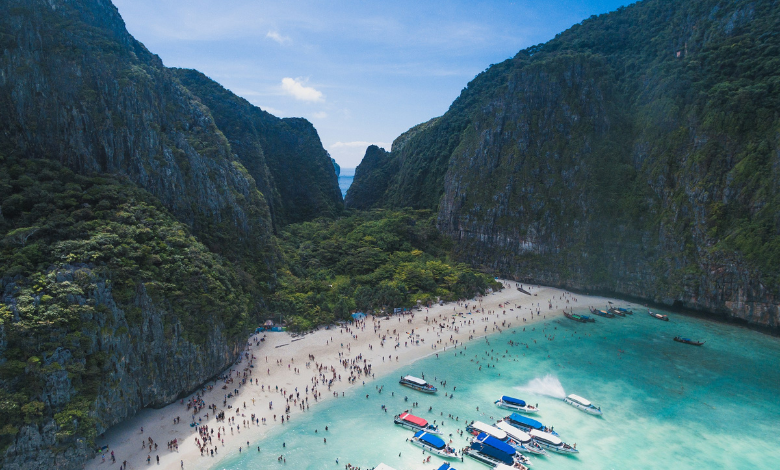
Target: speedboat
<point>434,444</point>
<point>491,451</point>
<point>527,424</point>
<point>519,439</point>
<point>516,404</point>
<point>582,404</point>
<point>478,427</point>
<point>417,384</point>
<point>415,423</point>
<point>552,443</point>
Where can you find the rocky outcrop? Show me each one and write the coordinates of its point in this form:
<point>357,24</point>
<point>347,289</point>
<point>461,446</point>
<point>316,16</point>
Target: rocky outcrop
<point>284,156</point>
<point>373,176</point>
<point>632,155</point>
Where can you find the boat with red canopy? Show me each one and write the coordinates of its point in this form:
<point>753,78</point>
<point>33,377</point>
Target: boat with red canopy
<point>415,423</point>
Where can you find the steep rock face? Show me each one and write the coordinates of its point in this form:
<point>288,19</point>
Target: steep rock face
<point>107,305</point>
<point>373,176</point>
<point>636,153</point>
<point>76,87</point>
<point>284,156</point>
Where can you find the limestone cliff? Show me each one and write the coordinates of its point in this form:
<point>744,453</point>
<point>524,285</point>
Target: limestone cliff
<point>284,156</point>
<point>636,153</point>
<point>77,88</point>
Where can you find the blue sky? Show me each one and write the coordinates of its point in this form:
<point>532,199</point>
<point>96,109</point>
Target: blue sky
<point>362,72</point>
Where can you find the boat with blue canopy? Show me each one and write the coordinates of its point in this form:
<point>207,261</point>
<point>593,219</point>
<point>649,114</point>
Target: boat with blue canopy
<point>516,404</point>
<point>489,450</point>
<point>446,466</point>
<point>434,444</point>
<point>526,424</point>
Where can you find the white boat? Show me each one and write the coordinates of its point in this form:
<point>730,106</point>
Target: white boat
<point>382,466</point>
<point>520,439</point>
<point>582,404</point>
<point>434,444</point>
<point>417,384</point>
<point>477,427</point>
<point>516,404</point>
<point>415,423</point>
<point>552,443</point>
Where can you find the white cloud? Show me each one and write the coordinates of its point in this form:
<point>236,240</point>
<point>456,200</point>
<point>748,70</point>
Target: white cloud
<point>296,89</point>
<point>277,37</point>
<point>320,115</point>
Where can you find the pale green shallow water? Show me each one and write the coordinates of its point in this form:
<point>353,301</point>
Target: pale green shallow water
<point>666,404</point>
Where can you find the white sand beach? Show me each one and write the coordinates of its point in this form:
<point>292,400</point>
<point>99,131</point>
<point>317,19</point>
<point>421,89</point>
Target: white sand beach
<point>284,362</point>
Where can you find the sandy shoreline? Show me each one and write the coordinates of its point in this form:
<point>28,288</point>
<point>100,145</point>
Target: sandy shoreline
<point>288,366</point>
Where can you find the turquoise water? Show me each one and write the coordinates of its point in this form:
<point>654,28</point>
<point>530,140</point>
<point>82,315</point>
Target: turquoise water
<point>665,404</point>
<point>345,179</point>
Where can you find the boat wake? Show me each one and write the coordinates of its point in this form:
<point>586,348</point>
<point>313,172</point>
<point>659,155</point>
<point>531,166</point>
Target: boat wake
<point>548,385</point>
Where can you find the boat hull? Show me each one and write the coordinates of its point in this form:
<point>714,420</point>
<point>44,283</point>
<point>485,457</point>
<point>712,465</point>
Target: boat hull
<point>440,452</point>
<point>587,409</point>
<point>419,388</point>
<point>414,427</point>
<point>521,409</point>
<point>557,449</point>
<point>488,460</point>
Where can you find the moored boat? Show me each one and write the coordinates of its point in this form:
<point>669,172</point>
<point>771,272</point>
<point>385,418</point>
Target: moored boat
<point>526,424</point>
<point>627,311</point>
<point>615,311</point>
<point>582,404</point>
<point>658,316</point>
<point>417,384</point>
<point>520,439</point>
<point>434,444</point>
<point>478,427</point>
<point>415,423</point>
<point>688,341</point>
<point>575,317</point>
<point>493,451</point>
<point>516,404</point>
<point>602,313</point>
<point>552,443</point>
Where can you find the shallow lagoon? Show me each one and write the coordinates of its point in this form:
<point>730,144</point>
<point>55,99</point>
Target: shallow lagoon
<point>665,404</point>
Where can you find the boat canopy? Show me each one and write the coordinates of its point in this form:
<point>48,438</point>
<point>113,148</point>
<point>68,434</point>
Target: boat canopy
<point>495,443</point>
<point>502,466</point>
<point>514,401</point>
<point>430,439</point>
<point>445,466</point>
<point>546,436</point>
<point>382,466</point>
<point>526,421</point>
<point>579,399</point>
<point>516,434</point>
<point>488,429</point>
<point>414,419</point>
<point>415,380</point>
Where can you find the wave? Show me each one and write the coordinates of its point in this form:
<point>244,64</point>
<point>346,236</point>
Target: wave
<point>548,385</point>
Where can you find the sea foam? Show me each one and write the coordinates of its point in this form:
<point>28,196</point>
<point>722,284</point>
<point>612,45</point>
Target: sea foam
<point>548,385</point>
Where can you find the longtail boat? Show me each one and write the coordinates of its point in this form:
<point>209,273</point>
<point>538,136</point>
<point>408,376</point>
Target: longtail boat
<point>688,341</point>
